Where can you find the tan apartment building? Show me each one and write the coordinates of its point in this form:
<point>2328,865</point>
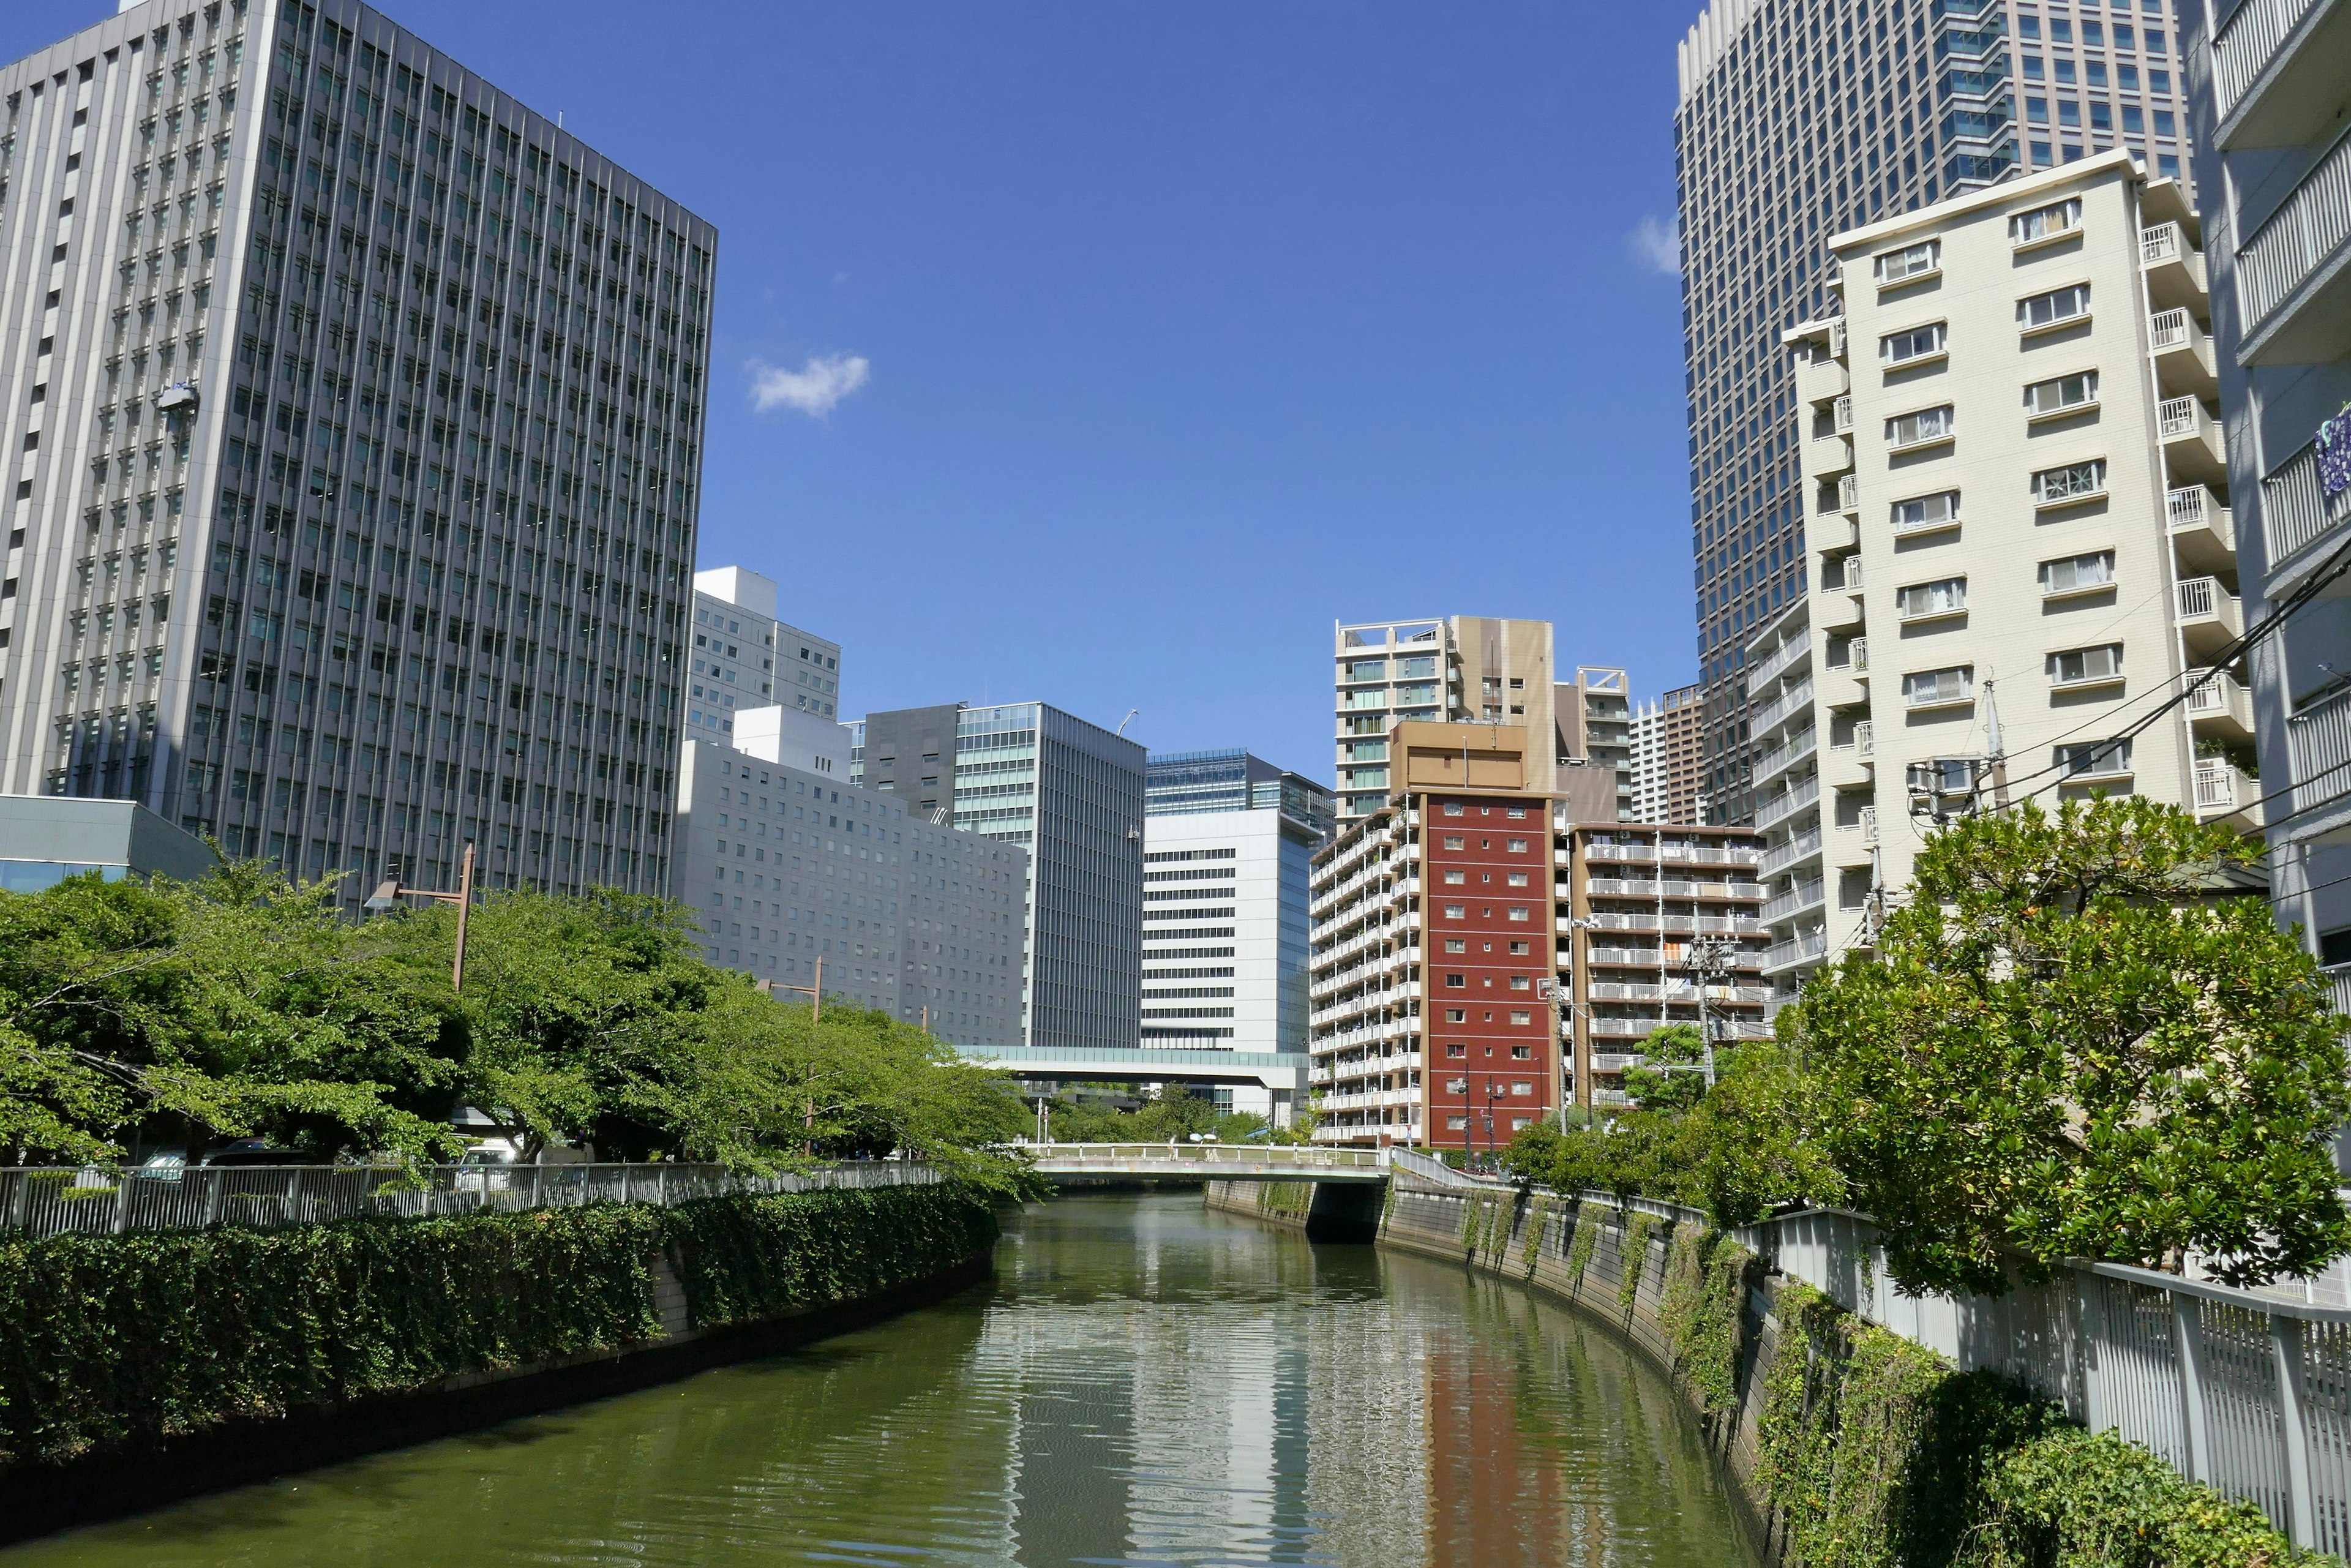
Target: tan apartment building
<point>1656,925</point>
<point>2019,543</point>
<point>1668,758</point>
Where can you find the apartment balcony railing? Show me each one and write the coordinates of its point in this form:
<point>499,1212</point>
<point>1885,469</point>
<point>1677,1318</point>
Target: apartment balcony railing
<point>2338,985</point>
<point>1796,697</point>
<point>1782,856</point>
<point>2195,511</point>
<point>1843,415</point>
<point>1728,925</point>
<point>2166,245</point>
<point>1616,1060</point>
<point>1797,950</point>
<point>2246,42</point>
<point>2305,231</point>
<point>2183,351</point>
<point>1803,895</point>
<point>1778,659</point>
<point>1825,379</point>
<point>2210,617</point>
<point>2220,790</point>
<point>2190,438</point>
<point>2221,707</point>
<point>1786,755</point>
<point>2296,511</point>
<point>1780,808</point>
<point>2318,747</point>
<point>1856,658</point>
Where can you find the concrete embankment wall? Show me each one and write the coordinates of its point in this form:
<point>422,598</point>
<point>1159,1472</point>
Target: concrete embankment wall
<point>1530,1241</point>
<point>1324,1211</point>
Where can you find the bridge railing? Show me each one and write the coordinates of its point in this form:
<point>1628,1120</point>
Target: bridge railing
<point>1255,1157</point>
<point>102,1200</point>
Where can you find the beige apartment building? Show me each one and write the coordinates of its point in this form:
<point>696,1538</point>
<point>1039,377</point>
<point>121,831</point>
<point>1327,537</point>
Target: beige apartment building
<point>2020,543</point>
<point>1471,669</point>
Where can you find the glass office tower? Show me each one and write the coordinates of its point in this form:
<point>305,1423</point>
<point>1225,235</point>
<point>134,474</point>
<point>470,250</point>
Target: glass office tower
<point>1798,119</point>
<point>356,412</point>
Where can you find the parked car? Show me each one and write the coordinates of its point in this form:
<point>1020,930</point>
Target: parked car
<point>254,1152</point>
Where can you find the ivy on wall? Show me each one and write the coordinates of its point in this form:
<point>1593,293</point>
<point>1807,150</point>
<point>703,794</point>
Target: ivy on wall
<point>107,1341</point>
<point>1633,1259</point>
<point>1876,1452</point>
<point>1705,1289</point>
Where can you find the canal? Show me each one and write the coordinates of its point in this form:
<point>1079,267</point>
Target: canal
<point>1146,1381</point>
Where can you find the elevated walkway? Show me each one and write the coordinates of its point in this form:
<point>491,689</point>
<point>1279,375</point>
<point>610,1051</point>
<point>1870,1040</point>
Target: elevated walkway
<point>1208,1161</point>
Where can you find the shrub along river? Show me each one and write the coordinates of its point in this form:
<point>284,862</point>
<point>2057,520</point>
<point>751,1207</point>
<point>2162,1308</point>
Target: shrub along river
<point>1145,1382</point>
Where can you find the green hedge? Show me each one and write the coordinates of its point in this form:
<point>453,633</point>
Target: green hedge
<point>110,1340</point>
<point>1876,1452</point>
<point>742,1259</point>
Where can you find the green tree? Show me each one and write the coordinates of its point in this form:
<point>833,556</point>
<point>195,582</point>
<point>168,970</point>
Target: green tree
<point>1669,1077</point>
<point>235,1005</point>
<point>2063,1048</point>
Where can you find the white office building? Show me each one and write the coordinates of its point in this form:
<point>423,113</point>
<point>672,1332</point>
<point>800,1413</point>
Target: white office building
<point>744,658</point>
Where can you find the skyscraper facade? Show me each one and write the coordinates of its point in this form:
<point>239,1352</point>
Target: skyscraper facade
<point>1072,793</point>
<point>1668,748</point>
<point>1448,670</point>
<point>358,414</point>
<point>1799,120</point>
<point>2272,90</point>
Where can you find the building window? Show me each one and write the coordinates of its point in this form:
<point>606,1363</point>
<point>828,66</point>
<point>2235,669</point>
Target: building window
<point>2101,758</point>
<point>1516,846</point>
<point>2045,222</point>
<point>2054,308</point>
<point>1456,842</point>
<point>2065,392</point>
<point>2078,574</point>
<point>1910,262</point>
<point>1455,945</point>
<point>1521,1016</point>
<point>1455,982</point>
<point>1518,913</point>
<point>1927,425</point>
<point>1453,807</point>
<point>1947,596</point>
<point>2086,666</point>
<point>1457,1049</point>
<point>1934,511</point>
<point>1456,911</point>
<point>1909,347</point>
<point>1931,688</point>
<point>2071,483</point>
<point>1457,1015</point>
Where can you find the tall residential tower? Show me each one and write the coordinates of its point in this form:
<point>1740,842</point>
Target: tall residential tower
<point>1799,120</point>
<point>358,414</point>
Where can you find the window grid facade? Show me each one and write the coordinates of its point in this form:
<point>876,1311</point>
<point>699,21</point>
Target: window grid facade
<point>1799,120</point>
<point>369,410</point>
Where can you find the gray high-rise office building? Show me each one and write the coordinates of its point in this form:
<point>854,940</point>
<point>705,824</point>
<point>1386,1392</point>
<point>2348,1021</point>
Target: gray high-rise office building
<point>1800,119</point>
<point>2272,93</point>
<point>1072,793</point>
<point>356,416</point>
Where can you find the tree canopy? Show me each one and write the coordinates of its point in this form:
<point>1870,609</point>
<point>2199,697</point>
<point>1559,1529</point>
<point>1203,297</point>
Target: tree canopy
<point>2071,1039</point>
<point>137,1013</point>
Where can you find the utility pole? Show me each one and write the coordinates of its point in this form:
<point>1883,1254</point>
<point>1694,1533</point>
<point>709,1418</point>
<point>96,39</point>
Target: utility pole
<point>389,892</point>
<point>1708,962</point>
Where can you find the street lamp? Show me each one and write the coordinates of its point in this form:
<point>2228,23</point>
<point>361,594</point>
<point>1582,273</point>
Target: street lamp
<point>814,993</point>
<point>389,893</point>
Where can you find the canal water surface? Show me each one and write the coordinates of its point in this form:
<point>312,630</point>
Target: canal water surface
<point>1145,1382</point>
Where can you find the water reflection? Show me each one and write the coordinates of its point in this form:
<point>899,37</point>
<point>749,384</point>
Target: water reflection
<point>1146,1383</point>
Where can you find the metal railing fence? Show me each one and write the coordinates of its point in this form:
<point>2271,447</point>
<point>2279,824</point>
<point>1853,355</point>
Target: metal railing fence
<point>106,1200</point>
<point>2246,1391</point>
<point>1304,1157</point>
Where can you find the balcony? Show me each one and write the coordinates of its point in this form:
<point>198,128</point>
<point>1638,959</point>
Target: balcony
<point>1862,829</point>
<point>2221,709</point>
<point>1825,379</point>
<point>2318,747</point>
<point>2268,68</point>
<point>2296,514</point>
<point>1616,1060</point>
<point>2223,792</point>
<point>1760,678</point>
<point>1808,948</point>
<point>2210,617</point>
<point>1803,846</point>
<point>1794,901</point>
<point>1803,743</point>
<point>1828,455</point>
<point>1796,699</point>
<point>2190,439</point>
<point>1780,808</point>
<point>2183,351</point>
<point>2175,268</point>
<point>2203,531</point>
<point>2296,294</point>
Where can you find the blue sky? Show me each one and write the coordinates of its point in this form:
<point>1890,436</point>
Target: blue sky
<point>1186,330</point>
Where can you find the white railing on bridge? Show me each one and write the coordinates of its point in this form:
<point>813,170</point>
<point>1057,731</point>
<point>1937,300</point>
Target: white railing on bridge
<point>1201,1158</point>
<point>101,1200</point>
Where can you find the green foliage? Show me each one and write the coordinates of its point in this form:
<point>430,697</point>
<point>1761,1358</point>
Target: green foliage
<point>262,1322</point>
<point>1665,1081</point>
<point>742,1259</point>
<point>1705,1300</point>
<point>1173,1113</point>
<point>1876,1453</point>
<point>1633,1260</point>
<point>1286,1200</point>
<point>1538,1222</point>
<point>1588,1223</point>
<point>2058,1050</point>
<point>245,1005</point>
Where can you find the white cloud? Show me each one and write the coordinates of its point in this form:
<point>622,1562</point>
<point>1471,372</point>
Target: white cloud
<point>1656,245</point>
<point>813,389</point>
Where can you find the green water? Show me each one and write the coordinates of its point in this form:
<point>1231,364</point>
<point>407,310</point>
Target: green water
<point>1145,1382</point>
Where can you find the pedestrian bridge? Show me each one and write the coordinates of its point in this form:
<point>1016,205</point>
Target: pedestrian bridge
<point>1208,1161</point>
